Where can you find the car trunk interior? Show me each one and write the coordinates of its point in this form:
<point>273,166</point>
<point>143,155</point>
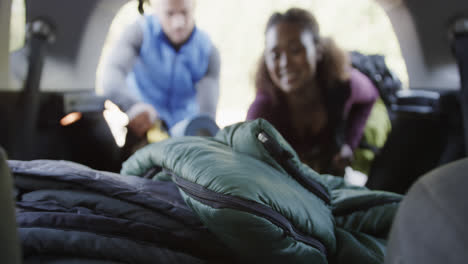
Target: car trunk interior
<point>427,130</point>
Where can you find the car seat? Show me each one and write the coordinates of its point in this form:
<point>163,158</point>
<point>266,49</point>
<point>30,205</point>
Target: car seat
<point>9,244</point>
<point>430,225</point>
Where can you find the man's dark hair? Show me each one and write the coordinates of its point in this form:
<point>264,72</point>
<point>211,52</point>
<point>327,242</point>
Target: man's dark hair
<point>141,9</point>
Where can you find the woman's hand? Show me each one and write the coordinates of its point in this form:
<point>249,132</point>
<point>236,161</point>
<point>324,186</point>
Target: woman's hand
<point>342,159</point>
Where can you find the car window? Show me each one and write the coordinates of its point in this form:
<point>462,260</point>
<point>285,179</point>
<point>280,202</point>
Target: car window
<point>17,24</point>
<point>237,26</point>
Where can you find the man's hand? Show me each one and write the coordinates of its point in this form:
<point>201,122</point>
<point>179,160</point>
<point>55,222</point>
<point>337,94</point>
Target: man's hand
<point>140,124</point>
<point>142,117</point>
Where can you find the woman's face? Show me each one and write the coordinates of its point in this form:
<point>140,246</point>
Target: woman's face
<point>290,56</point>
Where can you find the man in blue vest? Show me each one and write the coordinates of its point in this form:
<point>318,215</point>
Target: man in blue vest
<point>163,68</point>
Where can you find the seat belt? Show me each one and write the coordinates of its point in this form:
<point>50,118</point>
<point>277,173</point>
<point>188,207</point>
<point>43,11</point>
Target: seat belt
<point>39,34</point>
<point>460,50</point>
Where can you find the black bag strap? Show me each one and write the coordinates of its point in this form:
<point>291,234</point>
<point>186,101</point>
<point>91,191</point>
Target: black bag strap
<point>460,50</point>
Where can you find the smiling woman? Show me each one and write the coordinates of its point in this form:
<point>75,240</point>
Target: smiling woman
<point>307,89</point>
<point>236,27</point>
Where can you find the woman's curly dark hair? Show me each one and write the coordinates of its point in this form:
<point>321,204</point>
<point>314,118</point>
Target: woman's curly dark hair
<point>332,69</point>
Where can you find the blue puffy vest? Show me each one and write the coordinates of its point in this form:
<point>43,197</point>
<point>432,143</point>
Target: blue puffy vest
<point>165,77</point>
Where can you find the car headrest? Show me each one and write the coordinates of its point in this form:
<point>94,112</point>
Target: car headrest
<point>430,225</point>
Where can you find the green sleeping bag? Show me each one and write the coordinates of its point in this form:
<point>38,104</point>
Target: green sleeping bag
<point>249,188</point>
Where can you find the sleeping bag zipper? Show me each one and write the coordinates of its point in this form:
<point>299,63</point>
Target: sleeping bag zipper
<point>284,158</point>
<point>219,201</point>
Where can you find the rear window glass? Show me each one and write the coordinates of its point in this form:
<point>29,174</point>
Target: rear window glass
<point>17,25</point>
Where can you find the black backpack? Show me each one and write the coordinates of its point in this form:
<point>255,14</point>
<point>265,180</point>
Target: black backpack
<point>374,67</point>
